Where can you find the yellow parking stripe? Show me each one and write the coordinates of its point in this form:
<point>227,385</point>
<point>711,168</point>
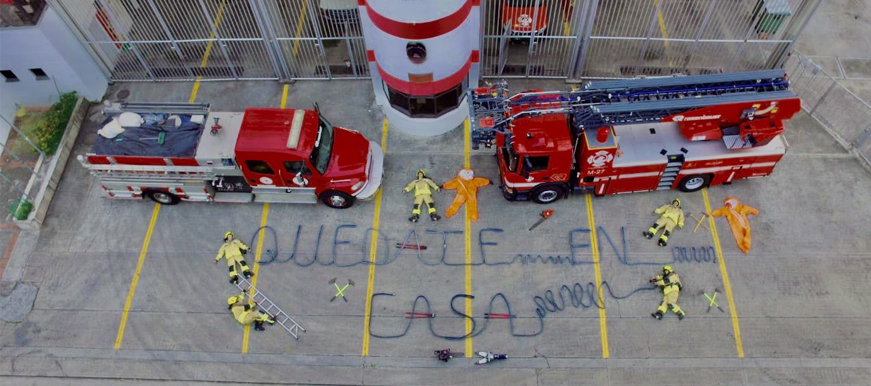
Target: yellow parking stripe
<point>468,233</point>
<point>263,218</point>
<point>132,291</point>
<point>284,96</point>
<point>739,345</point>
<point>373,250</point>
<point>594,244</point>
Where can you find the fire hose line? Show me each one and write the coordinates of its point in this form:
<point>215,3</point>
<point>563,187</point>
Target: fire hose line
<point>679,254</point>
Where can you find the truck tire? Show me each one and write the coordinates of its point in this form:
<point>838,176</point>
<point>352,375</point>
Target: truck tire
<point>336,199</point>
<point>547,194</point>
<point>694,183</point>
<point>162,197</point>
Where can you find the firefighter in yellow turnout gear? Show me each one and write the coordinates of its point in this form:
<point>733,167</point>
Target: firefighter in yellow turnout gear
<point>671,287</point>
<point>245,314</point>
<point>233,250</point>
<point>422,195</point>
<point>670,216</point>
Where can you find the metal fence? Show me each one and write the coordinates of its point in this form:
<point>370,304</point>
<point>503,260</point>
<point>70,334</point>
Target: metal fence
<point>137,40</point>
<point>662,37</point>
<point>843,114</point>
<point>148,40</point>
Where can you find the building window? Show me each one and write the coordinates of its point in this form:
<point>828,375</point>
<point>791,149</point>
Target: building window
<point>9,75</point>
<point>425,106</point>
<point>39,73</point>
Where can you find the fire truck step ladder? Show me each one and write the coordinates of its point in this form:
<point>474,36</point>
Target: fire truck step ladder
<point>267,306</point>
<point>672,168</point>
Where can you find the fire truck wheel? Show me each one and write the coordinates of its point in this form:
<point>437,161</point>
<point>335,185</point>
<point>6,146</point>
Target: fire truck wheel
<point>694,183</point>
<point>337,199</point>
<point>161,197</point>
<point>548,193</point>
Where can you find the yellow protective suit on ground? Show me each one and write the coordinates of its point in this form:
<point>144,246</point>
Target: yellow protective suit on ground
<point>670,291</point>
<point>466,185</point>
<point>736,213</point>
<point>245,314</point>
<point>422,194</point>
<point>232,251</point>
<point>668,219</point>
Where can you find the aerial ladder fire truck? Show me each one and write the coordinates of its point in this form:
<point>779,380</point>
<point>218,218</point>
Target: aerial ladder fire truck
<point>174,152</point>
<point>634,135</point>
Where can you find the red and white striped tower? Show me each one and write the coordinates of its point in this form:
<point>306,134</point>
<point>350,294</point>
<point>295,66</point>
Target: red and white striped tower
<point>423,56</point>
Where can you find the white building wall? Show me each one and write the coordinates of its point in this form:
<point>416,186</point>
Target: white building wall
<point>51,46</point>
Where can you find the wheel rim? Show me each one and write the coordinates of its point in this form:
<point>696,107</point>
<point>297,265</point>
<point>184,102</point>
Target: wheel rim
<point>547,196</point>
<point>337,200</point>
<point>162,198</point>
<point>694,183</point>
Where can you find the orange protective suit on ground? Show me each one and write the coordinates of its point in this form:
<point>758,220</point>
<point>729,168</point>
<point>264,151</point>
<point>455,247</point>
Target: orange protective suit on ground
<point>466,185</point>
<point>736,213</point>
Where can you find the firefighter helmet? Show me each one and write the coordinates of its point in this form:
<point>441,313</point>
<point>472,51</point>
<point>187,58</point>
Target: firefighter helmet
<point>228,234</point>
<point>667,269</point>
<point>676,200</point>
<point>419,171</point>
<point>232,300</point>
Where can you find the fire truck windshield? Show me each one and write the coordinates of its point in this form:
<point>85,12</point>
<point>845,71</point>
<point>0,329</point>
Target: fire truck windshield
<point>320,156</point>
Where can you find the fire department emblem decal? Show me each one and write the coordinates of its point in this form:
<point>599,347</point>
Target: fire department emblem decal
<point>524,20</point>
<point>600,158</point>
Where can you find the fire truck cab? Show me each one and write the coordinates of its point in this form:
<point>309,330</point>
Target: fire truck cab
<point>636,135</point>
<point>186,152</point>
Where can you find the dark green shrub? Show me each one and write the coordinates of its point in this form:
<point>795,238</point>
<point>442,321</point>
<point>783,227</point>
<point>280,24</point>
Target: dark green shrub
<point>50,129</point>
<point>20,209</point>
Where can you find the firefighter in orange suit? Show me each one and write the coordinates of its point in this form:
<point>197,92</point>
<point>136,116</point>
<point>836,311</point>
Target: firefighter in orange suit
<point>670,216</point>
<point>736,213</point>
<point>466,185</point>
<point>245,314</point>
<point>671,287</point>
<point>422,195</point>
<point>233,250</point>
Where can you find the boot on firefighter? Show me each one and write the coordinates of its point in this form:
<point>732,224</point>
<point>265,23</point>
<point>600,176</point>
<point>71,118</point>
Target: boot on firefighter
<point>232,250</point>
<point>423,188</point>
<point>246,314</point>
<point>670,216</point>
<point>670,284</point>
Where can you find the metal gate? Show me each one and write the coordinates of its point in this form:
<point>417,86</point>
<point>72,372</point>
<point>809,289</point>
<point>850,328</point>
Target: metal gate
<point>151,40</point>
<point>663,37</point>
<point>529,38</point>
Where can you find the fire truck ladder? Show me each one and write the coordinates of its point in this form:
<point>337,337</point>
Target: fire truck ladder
<point>630,100</point>
<point>148,172</point>
<point>267,306</point>
<point>158,108</point>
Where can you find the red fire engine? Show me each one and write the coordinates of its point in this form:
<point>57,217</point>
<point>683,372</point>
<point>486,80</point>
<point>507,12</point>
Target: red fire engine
<point>177,152</point>
<point>620,136</point>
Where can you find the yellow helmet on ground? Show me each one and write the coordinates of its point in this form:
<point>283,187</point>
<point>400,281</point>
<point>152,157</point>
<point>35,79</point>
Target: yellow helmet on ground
<point>667,269</point>
<point>228,234</point>
<point>678,201</point>
<point>232,300</point>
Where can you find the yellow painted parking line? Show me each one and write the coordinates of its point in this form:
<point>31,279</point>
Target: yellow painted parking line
<point>195,90</point>
<point>662,29</point>
<point>373,249</point>
<point>132,291</point>
<point>299,23</point>
<point>263,219</point>
<point>212,35</point>
<point>284,96</point>
<point>468,233</point>
<point>594,244</point>
<point>739,345</point>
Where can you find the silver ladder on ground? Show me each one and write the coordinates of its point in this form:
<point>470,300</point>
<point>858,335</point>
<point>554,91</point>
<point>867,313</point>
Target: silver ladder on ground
<point>267,306</point>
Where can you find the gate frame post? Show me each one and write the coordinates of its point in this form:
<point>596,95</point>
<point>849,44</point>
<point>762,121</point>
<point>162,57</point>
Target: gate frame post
<point>268,35</point>
<point>586,40</point>
<point>171,38</point>
<point>647,39</point>
<point>135,50</point>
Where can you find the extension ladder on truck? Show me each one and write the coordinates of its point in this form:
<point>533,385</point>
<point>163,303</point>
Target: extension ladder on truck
<point>149,173</point>
<point>267,306</point>
<point>621,101</point>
